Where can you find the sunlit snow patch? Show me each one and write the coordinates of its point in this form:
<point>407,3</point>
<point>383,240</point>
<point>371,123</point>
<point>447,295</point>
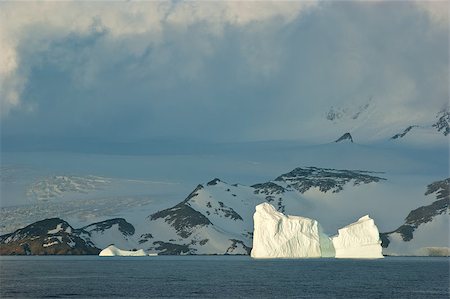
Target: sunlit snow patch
<point>55,230</point>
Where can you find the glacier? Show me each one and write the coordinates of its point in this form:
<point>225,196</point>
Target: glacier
<point>277,235</point>
<point>360,239</point>
<point>114,251</point>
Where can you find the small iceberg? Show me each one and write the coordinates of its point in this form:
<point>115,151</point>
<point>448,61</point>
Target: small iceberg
<point>114,251</point>
<point>360,239</point>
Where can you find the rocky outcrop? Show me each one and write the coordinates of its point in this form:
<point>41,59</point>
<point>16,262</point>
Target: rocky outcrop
<point>302,179</point>
<point>123,226</point>
<point>346,137</point>
<point>183,218</point>
<point>443,122</point>
<point>402,134</point>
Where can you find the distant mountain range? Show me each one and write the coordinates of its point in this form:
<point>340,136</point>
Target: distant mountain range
<point>216,218</point>
<point>441,125</point>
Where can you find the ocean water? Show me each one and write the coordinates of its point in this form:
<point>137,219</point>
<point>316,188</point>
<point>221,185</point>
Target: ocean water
<point>221,277</point>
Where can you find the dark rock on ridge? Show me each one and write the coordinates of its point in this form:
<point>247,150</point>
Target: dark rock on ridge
<point>423,214</point>
<point>443,122</point>
<point>302,179</point>
<point>125,227</point>
<point>401,135</point>
<point>183,218</point>
<point>345,137</point>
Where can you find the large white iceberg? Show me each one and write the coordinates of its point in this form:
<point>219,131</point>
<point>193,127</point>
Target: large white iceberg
<point>114,251</point>
<point>360,239</point>
<point>278,236</point>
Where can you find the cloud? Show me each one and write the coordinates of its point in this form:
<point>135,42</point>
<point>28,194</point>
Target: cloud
<point>437,11</point>
<point>218,70</point>
<point>40,23</point>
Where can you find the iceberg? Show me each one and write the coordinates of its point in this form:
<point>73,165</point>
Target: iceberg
<point>278,236</point>
<point>114,251</point>
<point>360,239</point>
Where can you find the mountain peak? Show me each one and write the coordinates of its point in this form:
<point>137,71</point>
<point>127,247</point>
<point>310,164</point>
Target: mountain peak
<point>345,137</point>
<point>213,182</point>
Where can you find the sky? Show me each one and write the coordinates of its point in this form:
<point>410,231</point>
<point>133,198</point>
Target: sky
<point>220,71</point>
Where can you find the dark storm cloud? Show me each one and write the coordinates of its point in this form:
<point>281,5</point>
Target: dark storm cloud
<point>192,76</point>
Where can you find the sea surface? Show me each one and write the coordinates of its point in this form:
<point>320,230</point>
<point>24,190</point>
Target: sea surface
<point>221,277</point>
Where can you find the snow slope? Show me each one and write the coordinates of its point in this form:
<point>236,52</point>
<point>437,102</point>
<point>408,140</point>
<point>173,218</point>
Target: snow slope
<point>425,230</point>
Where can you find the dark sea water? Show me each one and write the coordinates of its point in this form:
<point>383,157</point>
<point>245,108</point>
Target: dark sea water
<point>221,277</point>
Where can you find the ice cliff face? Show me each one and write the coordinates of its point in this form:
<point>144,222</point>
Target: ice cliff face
<point>360,239</point>
<point>278,236</point>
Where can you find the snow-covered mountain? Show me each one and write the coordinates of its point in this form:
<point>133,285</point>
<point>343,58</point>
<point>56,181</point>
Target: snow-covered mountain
<point>204,223</point>
<point>350,112</point>
<point>56,236</point>
<point>112,231</point>
<point>364,121</point>
<point>156,207</point>
<point>49,236</point>
<point>216,217</point>
<point>431,132</point>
